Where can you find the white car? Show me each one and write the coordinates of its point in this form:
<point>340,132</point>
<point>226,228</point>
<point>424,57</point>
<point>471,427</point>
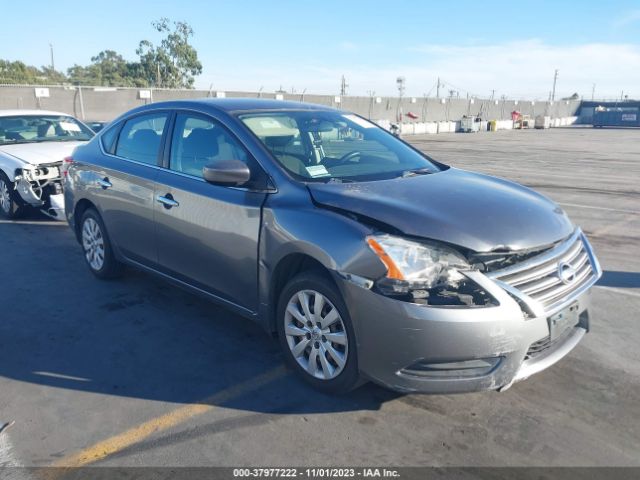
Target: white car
<point>33,146</point>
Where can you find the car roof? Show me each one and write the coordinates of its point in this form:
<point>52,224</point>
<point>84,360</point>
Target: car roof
<point>27,112</point>
<point>240,104</point>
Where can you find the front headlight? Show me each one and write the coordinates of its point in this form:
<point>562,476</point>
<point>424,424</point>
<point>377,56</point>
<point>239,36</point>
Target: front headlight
<point>426,272</point>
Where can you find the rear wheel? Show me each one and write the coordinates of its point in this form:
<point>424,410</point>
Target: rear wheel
<point>316,333</point>
<point>10,204</point>
<point>98,252</point>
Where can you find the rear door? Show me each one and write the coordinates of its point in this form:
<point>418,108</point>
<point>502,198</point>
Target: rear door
<point>207,235</point>
<point>125,188</point>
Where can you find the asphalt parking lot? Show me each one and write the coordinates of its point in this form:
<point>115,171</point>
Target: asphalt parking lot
<point>134,372</point>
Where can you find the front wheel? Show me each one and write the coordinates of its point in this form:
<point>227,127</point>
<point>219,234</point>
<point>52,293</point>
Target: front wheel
<point>97,248</point>
<point>316,333</point>
<point>10,206</point>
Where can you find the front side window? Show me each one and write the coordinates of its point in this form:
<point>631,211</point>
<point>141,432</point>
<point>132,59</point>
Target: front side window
<point>199,141</point>
<point>325,145</point>
<point>42,128</point>
<point>140,137</point>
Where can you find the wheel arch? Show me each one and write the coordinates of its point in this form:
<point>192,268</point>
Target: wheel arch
<point>288,267</point>
<point>81,206</point>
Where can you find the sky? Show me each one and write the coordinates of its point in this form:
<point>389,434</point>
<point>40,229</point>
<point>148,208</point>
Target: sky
<point>476,47</point>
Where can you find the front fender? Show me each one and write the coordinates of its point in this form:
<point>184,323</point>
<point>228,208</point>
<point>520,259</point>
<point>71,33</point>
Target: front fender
<point>334,240</point>
<point>9,164</point>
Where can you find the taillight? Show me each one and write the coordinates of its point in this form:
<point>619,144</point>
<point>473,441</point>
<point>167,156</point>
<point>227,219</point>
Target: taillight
<point>66,163</point>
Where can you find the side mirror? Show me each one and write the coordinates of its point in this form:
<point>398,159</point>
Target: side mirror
<point>227,172</point>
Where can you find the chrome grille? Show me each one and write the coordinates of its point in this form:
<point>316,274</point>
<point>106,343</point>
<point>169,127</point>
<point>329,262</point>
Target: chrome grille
<point>538,280</point>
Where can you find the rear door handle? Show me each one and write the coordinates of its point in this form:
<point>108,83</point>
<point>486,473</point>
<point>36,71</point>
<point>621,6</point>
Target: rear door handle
<point>105,183</point>
<point>167,201</point>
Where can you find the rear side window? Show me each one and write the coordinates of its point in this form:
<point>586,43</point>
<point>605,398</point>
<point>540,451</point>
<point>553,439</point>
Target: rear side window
<point>140,138</point>
<point>108,138</point>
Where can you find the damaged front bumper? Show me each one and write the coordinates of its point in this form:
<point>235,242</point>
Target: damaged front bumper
<point>41,187</point>
<point>435,349</point>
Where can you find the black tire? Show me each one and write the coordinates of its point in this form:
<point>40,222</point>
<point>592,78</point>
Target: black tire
<point>110,267</point>
<point>349,376</point>
<point>16,205</point>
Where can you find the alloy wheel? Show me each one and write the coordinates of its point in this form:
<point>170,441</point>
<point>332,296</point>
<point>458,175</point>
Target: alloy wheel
<point>316,334</point>
<point>5,197</point>
<point>93,243</point>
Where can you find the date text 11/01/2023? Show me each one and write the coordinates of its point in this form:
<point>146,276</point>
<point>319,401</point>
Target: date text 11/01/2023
<point>316,472</point>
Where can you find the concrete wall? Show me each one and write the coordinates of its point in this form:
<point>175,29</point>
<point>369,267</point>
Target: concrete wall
<point>105,104</point>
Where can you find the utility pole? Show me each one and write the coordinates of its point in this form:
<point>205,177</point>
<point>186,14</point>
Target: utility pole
<point>593,91</point>
<point>53,65</point>
<point>493,93</point>
<point>438,88</point>
<point>555,80</point>
<point>343,86</point>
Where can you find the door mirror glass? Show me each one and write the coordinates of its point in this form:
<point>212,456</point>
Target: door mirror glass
<point>227,172</point>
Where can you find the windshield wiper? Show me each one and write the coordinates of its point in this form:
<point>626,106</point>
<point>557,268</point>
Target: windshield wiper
<point>416,171</point>
<point>340,180</point>
<point>11,141</point>
<point>72,139</point>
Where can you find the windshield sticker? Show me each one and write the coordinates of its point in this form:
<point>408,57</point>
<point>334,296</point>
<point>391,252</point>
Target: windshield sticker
<point>318,171</point>
<point>70,127</point>
<point>270,123</point>
<point>359,121</point>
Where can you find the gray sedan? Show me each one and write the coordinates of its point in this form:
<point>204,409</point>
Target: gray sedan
<point>368,259</point>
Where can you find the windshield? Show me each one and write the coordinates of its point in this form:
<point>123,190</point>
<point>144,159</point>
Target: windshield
<point>41,128</point>
<point>334,146</point>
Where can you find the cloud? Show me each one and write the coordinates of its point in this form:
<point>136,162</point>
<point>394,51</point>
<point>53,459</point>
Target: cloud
<point>522,69</point>
<point>627,19</point>
<point>349,46</point>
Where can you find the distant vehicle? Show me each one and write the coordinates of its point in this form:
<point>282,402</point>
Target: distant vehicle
<point>616,117</point>
<point>96,126</point>
<point>369,259</point>
<point>33,144</point>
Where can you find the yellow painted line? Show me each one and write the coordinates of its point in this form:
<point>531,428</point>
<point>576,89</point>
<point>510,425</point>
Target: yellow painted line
<point>105,448</point>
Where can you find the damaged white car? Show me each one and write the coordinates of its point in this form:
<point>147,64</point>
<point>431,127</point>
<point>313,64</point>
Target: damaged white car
<point>33,146</point>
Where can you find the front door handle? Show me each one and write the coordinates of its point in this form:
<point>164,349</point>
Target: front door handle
<point>167,201</point>
<point>105,183</point>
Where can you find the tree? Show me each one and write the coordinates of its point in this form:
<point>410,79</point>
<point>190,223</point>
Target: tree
<point>108,69</point>
<point>174,63</point>
<point>20,73</point>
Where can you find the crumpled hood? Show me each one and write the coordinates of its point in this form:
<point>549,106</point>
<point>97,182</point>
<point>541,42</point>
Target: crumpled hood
<point>39,153</point>
<point>475,211</point>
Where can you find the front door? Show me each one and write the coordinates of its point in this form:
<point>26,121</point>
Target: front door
<point>207,235</point>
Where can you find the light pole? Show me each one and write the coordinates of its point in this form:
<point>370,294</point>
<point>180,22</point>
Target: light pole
<point>53,65</point>
<point>400,82</point>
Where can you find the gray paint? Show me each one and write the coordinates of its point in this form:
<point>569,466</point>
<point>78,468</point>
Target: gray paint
<point>478,212</point>
<point>226,243</point>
